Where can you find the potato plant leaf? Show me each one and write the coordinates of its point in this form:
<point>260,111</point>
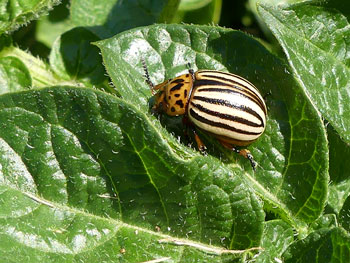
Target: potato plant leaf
<point>14,14</point>
<point>74,59</point>
<point>316,39</point>
<point>277,237</point>
<point>292,154</point>
<point>339,170</point>
<point>324,245</point>
<point>15,75</point>
<point>96,177</point>
<point>107,18</point>
<point>88,173</point>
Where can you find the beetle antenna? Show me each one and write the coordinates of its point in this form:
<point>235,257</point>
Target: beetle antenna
<point>148,79</point>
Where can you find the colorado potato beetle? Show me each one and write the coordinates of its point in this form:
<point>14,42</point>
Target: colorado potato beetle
<point>222,104</point>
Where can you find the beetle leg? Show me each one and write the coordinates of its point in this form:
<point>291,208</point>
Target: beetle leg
<point>200,144</point>
<point>188,124</point>
<point>246,154</point>
<point>243,152</point>
<point>158,105</point>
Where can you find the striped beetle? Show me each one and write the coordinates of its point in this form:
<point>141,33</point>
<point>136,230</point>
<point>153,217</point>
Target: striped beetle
<point>222,104</point>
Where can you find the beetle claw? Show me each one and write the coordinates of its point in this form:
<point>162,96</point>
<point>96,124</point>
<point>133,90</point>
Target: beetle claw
<point>252,162</point>
<point>202,148</point>
<point>246,154</point>
<point>200,144</point>
<point>243,152</point>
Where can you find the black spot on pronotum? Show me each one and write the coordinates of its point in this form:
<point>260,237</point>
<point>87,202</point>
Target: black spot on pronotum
<point>178,80</point>
<point>169,97</point>
<point>176,87</point>
<point>180,103</point>
<point>176,95</point>
<point>172,109</point>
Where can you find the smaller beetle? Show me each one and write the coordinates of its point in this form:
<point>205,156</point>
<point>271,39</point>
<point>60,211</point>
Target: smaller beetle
<point>222,104</point>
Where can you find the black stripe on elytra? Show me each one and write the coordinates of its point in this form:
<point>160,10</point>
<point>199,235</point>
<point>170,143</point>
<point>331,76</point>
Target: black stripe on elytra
<point>255,99</point>
<point>227,116</point>
<point>230,105</point>
<point>219,124</point>
<point>177,87</point>
<point>214,74</point>
<point>230,80</point>
<point>245,92</point>
<point>234,84</point>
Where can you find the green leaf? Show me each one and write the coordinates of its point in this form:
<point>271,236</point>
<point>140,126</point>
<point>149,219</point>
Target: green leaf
<point>321,246</point>
<point>207,14</point>
<point>49,27</point>
<point>292,154</point>
<point>107,18</point>
<point>339,170</point>
<point>344,215</point>
<point>74,58</point>
<point>73,61</point>
<point>189,5</point>
<point>84,173</point>
<point>40,73</point>
<point>315,39</point>
<point>5,42</point>
<point>325,221</point>
<point>14,14</point>
<point>14,75</point>
<point>277,236</point>
<point>252,7</point>
<point>48,31</point>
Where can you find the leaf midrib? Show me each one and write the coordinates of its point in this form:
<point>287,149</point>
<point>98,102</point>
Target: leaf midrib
<point>161,236</point>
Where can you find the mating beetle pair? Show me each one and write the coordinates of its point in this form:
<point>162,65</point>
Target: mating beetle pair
<point>222,104</point>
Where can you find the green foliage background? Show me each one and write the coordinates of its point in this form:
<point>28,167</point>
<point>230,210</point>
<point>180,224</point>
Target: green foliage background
<point>88,174</point>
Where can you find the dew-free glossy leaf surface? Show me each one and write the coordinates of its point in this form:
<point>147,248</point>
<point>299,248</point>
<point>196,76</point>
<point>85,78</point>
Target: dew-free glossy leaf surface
<point>315,38</point>
<point>85,174</point>
<point>292,154</point>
